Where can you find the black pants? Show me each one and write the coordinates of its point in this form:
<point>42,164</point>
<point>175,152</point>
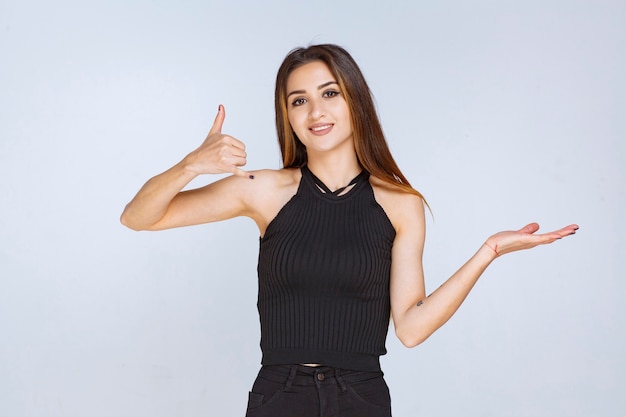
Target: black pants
<point>302,391</point>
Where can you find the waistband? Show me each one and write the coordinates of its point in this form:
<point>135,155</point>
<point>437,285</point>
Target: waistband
<point>301,375</point>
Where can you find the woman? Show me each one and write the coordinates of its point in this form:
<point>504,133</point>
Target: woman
<point>342,233</point>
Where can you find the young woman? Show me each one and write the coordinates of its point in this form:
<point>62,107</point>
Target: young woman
<point>342,233</point>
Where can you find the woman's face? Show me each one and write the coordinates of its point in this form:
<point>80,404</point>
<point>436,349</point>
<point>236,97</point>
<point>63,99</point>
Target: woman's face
<point>317,111</point>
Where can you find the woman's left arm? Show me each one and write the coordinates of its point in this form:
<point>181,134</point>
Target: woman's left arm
<point>416,316</point>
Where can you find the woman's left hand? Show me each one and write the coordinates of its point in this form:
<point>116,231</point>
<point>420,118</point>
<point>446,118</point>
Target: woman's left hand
<point>525,238</point>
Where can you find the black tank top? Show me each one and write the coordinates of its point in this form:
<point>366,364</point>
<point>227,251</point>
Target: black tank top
<point>324,266</point>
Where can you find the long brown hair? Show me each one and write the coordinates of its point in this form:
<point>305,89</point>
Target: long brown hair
<point>369,141</point>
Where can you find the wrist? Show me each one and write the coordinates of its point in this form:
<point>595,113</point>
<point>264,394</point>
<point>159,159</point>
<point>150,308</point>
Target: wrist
<point>189,167</point>
<point>493,247</point>
<point>491,250</point>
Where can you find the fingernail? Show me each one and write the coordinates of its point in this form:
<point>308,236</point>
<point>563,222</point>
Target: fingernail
<point>251,176</point>
<point>219,108</point>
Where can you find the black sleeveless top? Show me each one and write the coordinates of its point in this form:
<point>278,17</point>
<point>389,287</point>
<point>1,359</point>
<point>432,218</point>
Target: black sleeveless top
<point>324,266</point>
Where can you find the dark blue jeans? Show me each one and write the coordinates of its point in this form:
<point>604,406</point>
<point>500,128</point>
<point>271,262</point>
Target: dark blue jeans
<point>302,391</point>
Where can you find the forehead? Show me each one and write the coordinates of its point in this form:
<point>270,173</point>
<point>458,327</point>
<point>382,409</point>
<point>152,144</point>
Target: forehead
<point>309,76</point>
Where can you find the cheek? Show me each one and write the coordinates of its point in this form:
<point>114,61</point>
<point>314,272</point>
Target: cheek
<point>291,116</point>
<point>294,121</point>
<point>341,109</point>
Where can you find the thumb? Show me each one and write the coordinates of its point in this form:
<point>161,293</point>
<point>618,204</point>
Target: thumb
<point>530,228</point>
<point>219,120</point>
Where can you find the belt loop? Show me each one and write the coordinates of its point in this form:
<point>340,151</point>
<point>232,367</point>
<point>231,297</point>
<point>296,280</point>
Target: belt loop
<point>340,380</point>
<point>292,376</point>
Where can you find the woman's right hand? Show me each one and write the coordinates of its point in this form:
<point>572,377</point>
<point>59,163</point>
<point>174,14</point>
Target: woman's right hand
<point>160,204</point>
<point>219,153</point>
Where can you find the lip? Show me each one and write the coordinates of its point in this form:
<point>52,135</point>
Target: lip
<point>320,129</point>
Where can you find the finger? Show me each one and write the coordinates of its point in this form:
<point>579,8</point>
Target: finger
<point>236,143</point>
<point>238,152</point>
<point>241,173</point>
<point>236,170</point>
<point>219,120</point>
<point>237,161</point>
<point>567,230</point>
<point>530,228</point>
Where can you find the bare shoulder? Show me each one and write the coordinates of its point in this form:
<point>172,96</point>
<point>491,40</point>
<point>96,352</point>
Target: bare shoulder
<point>277,177</point>
<point>404,210</point>
<point>268,183</point>
<point>269,191</point>
<point>260,184</point>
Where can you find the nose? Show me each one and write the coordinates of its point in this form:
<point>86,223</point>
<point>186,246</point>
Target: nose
<point>317,110</point>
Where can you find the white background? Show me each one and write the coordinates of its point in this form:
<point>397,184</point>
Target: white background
<point>500,112</point>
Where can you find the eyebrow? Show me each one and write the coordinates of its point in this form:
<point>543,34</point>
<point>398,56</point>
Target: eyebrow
<point>326,84</point>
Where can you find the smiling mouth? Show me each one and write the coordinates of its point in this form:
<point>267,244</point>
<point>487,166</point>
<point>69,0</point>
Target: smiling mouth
<point>320,128</point>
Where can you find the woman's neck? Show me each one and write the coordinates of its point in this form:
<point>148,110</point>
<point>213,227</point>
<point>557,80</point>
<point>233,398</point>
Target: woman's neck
<point>334,170</point>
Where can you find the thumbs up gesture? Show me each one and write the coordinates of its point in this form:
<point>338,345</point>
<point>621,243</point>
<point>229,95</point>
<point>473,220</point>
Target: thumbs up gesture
<point>218,153</point>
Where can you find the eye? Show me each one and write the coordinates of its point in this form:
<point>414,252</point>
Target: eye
<point>298,102</point>
<point>330,93</point>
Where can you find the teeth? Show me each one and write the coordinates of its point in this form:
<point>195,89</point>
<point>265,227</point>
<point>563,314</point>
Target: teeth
<point>316,129</point>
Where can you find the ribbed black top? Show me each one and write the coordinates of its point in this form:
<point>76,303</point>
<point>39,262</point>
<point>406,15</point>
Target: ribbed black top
<point>324,266</point>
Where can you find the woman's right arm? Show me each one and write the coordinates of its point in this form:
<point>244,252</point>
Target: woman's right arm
<point>160,203</point>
